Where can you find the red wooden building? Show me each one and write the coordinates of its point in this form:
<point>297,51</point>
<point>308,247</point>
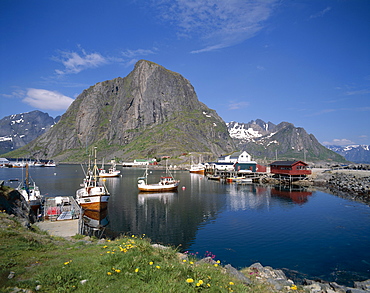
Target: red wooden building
<point>290,168</point>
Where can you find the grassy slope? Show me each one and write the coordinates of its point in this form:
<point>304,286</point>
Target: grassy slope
<point>130,263</point>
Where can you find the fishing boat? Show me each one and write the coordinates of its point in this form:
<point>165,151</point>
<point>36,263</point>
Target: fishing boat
<point>50,164</point>
<point>197,168</point>
<point>30,191</point>
<point>112,171</point>
<point>165,184</point>
<point>93,195</point>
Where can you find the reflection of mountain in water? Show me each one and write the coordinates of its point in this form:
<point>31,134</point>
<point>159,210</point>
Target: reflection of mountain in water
<point>169,218</point>
<point>298,195</point>
<point>175,217</point>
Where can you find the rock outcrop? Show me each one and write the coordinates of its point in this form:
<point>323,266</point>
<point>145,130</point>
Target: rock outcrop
<point>13,203</point>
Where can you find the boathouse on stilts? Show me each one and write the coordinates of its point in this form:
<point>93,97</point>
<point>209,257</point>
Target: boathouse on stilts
<point>289,171</point>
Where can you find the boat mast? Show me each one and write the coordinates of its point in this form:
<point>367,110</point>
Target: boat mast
<point>95,168</point>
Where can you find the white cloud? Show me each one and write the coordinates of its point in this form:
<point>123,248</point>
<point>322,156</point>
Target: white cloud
<point>237,105</point>
<point>47,100</point>
<point>321,13</point>
<point>76,62</point>
<point>339,141</point>
<point>358,92</point>
<point>219,24</point>
<point>138,52</point>
<point>135,55</point>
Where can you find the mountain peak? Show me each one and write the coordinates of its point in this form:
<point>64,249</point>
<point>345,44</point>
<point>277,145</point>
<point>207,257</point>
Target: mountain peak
<point>149,112</point>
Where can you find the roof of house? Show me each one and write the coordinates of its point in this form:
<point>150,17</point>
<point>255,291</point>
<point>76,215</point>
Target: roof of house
<point>286,163</point>
<point>246,163</point>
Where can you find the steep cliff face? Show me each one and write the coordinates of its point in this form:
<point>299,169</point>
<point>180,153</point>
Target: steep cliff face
<point>149,112</point>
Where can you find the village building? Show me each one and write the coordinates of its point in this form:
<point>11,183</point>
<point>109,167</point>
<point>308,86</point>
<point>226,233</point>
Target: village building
<point>144,162</point>
<point>3,162</point>
<point>290,169</point>
<point>240,157</point>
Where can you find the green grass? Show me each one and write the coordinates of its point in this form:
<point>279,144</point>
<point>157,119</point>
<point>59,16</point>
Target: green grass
<point>127,264</point>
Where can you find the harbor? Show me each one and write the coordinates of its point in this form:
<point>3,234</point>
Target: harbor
<point>240,223</point>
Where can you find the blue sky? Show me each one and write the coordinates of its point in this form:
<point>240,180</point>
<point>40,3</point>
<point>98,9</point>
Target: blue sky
<point>304,61</point>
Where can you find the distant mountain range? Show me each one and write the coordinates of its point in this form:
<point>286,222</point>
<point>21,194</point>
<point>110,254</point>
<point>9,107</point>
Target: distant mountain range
<point>353,153</point>
<point>152,112</point>
<point>19,129</point>
<point>282,142</point>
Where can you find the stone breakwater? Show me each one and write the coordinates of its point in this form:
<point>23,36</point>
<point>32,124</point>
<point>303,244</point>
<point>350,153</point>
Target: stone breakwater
<point>355,186</point>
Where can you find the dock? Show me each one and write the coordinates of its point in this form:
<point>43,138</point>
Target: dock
<point>61,216</point>
<point>60,228</point>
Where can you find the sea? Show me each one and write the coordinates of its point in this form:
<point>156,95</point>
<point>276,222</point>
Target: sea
<point>306,233</point>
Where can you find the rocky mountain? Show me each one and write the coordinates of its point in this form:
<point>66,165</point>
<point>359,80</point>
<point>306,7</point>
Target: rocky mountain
<point>152,111</point>
<point>283,141</point>
<point>18,130</point>
<point>354,153</point>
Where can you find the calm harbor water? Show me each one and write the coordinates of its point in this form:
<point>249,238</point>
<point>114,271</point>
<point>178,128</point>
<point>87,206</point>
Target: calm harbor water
<point>315,233</point>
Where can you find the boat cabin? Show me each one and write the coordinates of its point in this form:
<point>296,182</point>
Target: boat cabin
<point>167,180</point>
<point>290,168</point>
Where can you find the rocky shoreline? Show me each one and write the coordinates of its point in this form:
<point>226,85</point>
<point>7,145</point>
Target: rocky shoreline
<point>279,282</point>
<point>350,184</point>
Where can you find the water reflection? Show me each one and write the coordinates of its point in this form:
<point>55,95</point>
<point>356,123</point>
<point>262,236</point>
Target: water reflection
<point>247,197</point>
<point>95,219</point>
<point>164,197</point>
<point>296,194</point>
<point>312,232</point>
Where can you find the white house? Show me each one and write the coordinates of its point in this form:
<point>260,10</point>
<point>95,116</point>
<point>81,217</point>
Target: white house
<point>240,157</point>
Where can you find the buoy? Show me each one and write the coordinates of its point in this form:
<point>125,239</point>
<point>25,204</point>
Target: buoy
<point>183,188</point>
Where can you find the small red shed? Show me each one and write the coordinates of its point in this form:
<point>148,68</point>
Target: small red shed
<point>292,168</point>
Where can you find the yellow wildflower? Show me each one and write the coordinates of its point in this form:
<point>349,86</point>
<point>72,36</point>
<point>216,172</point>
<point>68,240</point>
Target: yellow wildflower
<point>200,282</point>
<point>191,263</point>
<point>294,287</point>
<point>184,260</point>
<point>109,273</point>
<point>231,283</point>
<point>151,263</point>
<point>136,270</point>
<point>216,265</point>
<point>189,280</point>
<point>158,267</point>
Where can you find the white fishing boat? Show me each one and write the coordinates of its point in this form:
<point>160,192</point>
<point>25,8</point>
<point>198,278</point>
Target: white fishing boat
<point>31,192</point>
<point>93,195</point>
<point>112,171</point>
<point>165,184</point>
<point>50,164</point>
<point>197,168</point>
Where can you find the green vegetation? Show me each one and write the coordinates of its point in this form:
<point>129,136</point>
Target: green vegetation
<point>33,259</point>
